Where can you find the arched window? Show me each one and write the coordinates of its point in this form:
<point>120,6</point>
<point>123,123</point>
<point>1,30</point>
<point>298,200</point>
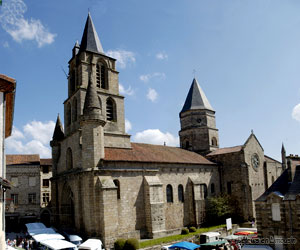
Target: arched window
<point>69,159</point>
<point>68,114</point>
<point>180,193</point>
<point>204,190</point>
<point>74,110</point>
<point>187,144</point>
<point>169,193</point>
<point>212,188</point>
<point>214,141</point>
<point>110,110</point>
<point>117,183</point>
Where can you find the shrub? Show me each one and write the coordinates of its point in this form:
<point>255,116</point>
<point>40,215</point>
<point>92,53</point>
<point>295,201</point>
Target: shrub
<point>119,244</point>
<point>131,244</point>
<point>192,229</point>
<point>184,231</point>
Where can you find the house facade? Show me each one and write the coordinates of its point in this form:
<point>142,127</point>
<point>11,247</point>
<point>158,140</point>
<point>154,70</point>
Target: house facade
<point>7,103</point>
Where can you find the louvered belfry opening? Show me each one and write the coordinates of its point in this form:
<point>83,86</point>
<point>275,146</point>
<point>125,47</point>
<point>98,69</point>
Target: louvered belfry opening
<point>109,110</point>
<point>98,75</point>
<point>103,85</point>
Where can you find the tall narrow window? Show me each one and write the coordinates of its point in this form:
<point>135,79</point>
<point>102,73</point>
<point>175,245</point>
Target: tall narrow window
<point>229,187</point>
<point>169,193</point>
<point>74,111</point>
<point>103,79</point>
<point>46,198</point>
<point>98,75</point>
<point>110,110</point>
<point>117,183</point>
<point>204,190</point>
<point>187,144</point>
<point>69,159</point>
<point>14,198</point>
<point>68,114</point>
<point>46,182</point>
<point>32,198</point>
<point>180,193</point>
<point>212,188</point>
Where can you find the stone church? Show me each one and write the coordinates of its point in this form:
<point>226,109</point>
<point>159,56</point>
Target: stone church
<point>108,187</point>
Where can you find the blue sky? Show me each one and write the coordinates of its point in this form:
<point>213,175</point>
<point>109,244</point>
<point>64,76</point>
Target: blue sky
<point>246,55</point>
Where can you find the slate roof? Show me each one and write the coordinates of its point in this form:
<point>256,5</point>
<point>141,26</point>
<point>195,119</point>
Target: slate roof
<point>196,98</point>
<point>227,150</point>
<point>58,133</point>
<point>90,40</point>
<point>149,153</point>
<point>289,190</point>
<point>22,159</point>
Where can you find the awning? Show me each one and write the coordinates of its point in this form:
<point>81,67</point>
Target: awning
<point>185,245</point>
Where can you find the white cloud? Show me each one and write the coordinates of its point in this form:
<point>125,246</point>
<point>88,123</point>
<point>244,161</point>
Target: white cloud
<point>123,91</point>
<point>148,77</point>
<point>155,136</point>
<point>152,94</point>
<point>296,112</point>
<point>14,23</point>
<point>34,139</point>
<point>161,56</point>
<point>128,125</point>
<point>123,57</point>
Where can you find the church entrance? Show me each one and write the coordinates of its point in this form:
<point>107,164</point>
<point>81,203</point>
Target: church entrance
<point>67,208</point>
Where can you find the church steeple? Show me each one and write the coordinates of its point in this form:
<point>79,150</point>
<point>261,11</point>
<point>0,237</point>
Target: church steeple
<point>196,98</point>
<point>283,157</point>
<point>198,125</point>
<point>90,40</point>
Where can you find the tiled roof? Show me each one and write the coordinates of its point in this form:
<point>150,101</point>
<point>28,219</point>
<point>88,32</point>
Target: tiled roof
<point>46,161</point>
<point>154,153</point>
<point>22,159</point>
<point>228,150</point>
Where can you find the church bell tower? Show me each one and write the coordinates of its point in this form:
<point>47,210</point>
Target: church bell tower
<point>89,64</point>
<point>198,123</point>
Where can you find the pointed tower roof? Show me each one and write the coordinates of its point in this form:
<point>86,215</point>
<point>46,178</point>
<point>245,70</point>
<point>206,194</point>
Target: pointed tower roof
<point>91,109</point>
<point>58,131</point>
<point>282,149</point>
<point>196,99</point>
<point>90,40</point>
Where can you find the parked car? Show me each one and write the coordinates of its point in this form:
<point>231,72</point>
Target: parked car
<point>70,235</point>
<point>209,237</point>
<point>57,245</point>
<point>91,244</point>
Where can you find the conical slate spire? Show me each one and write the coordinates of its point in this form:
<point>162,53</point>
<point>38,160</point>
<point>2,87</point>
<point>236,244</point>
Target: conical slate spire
<point>91,109</point>
<point>58,131</point>
<point>282,149</point>
<point>196,99</point>
<point>90,40</point>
